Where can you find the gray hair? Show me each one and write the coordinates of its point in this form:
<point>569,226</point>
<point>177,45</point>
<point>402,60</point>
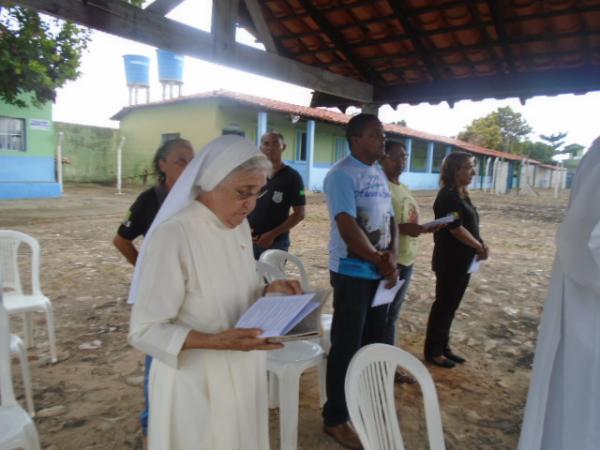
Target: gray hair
<point>258,163</point>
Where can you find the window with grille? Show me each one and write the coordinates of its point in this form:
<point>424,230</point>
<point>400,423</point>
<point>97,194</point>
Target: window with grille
<point>12,134</point>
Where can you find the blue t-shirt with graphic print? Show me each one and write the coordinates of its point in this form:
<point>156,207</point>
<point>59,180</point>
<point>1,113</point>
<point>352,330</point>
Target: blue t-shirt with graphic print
<point>362,192</point>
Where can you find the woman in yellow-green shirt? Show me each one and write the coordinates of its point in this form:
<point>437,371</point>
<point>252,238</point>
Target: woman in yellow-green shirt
<point>406,211</point>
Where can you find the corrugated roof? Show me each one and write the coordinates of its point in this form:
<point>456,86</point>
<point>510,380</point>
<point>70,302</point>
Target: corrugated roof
<point>319,114</point>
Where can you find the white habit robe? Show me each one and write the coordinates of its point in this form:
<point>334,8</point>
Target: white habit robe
<point>563,405</point>
<point>198,274</point>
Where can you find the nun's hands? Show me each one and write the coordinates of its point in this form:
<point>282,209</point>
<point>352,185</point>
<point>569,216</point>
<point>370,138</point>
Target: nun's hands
<point>286,287</point>
<point>243,339</point>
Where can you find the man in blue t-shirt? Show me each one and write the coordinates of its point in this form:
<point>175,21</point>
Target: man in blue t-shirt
<point>360,255</point>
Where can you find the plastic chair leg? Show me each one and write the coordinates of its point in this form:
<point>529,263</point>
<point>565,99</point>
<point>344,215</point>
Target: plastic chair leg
<point>32,440</point>
<point>26,375</point>
<point>28,330</point>
<point>289,392</point>
<point>273,390</point>
<point>51,335</point>
<point>322,372</point>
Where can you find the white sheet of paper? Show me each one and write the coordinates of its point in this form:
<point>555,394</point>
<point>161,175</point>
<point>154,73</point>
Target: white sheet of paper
<point>274,314</point>
<point>475,265</point>
<point>383,296</point>
<point>441,221</point>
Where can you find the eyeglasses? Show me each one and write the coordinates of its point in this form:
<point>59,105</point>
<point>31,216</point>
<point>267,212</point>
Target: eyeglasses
<point>245,195</point>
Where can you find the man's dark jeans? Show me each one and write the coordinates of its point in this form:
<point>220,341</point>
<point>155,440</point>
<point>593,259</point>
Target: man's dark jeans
<point>355,324</point>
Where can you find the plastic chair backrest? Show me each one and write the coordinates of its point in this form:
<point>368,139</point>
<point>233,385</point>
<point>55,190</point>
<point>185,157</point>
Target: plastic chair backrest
<point>9,246</point>
<point>371,401</point>
<point>279,258</point>
<point>268,272</point>
<point>7,393</point>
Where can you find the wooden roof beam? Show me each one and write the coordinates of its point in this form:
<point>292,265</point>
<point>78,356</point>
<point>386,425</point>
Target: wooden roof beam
<point>163,7</point>
<point>260,24</point>
<point>496,14</point>
<point>521,85</point>
<point>121,19</point>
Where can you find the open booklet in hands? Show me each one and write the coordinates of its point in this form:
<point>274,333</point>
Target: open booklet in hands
<point>286,317</point>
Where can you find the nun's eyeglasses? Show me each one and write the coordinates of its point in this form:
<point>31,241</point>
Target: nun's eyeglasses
<point>245,195</point>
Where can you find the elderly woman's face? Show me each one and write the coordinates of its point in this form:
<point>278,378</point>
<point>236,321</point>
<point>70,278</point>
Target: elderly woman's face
<point>233,200</point>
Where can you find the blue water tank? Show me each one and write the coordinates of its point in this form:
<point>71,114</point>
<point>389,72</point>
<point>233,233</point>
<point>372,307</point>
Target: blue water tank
<point>137,70</point>
<point>170,66</point>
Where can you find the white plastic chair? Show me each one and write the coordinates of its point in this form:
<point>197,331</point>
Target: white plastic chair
<point>18,349</point>
<point>371,402</point>
<point>17,429</point>
<point>15,300</point>
<point>278,259</point>
<point>285,366</point>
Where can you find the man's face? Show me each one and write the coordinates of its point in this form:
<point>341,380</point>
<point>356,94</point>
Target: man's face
<point>372,142</point>
<point>273,147</point>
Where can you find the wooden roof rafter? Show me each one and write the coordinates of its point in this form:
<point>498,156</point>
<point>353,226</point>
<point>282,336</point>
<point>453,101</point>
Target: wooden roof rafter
<point>163,7</point>
<point>338,40</point>
<point>502,35</point>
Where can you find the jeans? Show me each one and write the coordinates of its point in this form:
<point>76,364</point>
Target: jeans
<point>394,307</point>
<point>450,287</point>
<point>355,324</point>
<point>144,416</point>
<point>278,244</point>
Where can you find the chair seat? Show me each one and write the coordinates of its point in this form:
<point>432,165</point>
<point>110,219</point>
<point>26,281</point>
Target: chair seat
<point>295,352</point>
<point>12,421</point>
<point>17,303</point>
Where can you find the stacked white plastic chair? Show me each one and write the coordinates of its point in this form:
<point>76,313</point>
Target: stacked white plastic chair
<point>285,366</point>
<point>371,401</point>
<point>17,348</point>
<point>15,300</point>
<point>17,429</point>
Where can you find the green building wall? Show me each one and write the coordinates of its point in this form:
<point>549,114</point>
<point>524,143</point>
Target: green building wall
<point>90,153</point>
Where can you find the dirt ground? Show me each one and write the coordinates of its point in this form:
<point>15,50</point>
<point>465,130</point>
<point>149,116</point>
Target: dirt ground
<point>91,398</point>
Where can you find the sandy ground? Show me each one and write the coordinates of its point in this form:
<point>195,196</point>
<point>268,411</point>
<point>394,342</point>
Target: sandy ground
<point>91,398</point>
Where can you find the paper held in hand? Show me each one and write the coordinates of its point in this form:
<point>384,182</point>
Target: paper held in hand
<point>441,221</point>
<point>286,317</point>
<point>383,295</point>
<point>475,265</point>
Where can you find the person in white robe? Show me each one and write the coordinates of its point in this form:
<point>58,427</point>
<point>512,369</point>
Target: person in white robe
<point>195,277</point>
<point>563,404</point>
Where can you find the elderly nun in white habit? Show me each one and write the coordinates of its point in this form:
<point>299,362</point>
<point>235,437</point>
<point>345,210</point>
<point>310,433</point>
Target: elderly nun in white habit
<point>563,405</point>
<point>195,278</point>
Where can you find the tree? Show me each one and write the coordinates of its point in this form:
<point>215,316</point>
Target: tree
<point>539,151</point>
<point>37,54</point>
<point>575,150</point>
<point>402,123</point>
<point>503,129</point>
<point>555,140</point>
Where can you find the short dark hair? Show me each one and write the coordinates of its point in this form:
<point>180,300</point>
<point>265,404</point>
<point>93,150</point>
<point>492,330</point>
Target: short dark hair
<point>390,144</point>
<point>356,126</point>
<point>162,152</point>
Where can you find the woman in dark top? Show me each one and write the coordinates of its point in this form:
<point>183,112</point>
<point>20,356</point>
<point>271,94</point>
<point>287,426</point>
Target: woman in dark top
<point>454,249</point>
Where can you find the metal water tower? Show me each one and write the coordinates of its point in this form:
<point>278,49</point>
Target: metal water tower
<point>170,72</point>
<point>137,73</point>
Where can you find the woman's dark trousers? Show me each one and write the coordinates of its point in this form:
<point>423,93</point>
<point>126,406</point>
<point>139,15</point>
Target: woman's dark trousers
<point>450,286</point>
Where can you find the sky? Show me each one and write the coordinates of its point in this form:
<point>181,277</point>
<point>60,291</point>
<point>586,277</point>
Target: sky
<point>101,91</point>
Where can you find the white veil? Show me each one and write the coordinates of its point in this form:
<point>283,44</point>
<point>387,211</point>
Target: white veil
<point>211,165</point>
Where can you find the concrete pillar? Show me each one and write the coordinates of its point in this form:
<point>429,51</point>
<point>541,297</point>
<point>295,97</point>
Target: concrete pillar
<point>310,151</point>
<point>261,126</point>
<point>408,145</point>
<point>429,157</point>
<point>370,108</point>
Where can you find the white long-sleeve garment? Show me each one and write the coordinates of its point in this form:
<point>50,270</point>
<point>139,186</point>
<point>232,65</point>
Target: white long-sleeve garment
<point>199,274</point>
<point>563,404</point>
